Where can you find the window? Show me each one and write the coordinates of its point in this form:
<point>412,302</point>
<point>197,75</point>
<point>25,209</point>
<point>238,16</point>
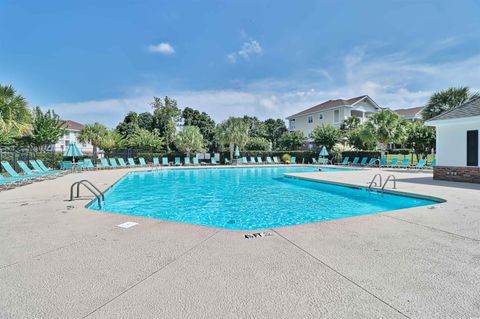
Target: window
<point>292,124</point>
<point>310,119</point>
<point>336,116</point>
<point>320,116</point>
<point>472,148</point>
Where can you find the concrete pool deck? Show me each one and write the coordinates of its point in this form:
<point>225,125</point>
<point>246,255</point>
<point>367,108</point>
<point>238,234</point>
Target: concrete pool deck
<point>61,260</point>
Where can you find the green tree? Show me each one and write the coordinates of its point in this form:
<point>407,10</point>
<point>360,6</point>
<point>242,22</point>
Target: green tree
<point>15,116</point>
<point>129,125</point>
<point>93,134</point>
<point>256,128</point>
<point>386,127</point>
<point>445,100</point>
<point>190,139</point>
<point>292,140</point>
<point>47,128</point>
<point>167,117</point>
<point>258,144</point>
<point>201,120</point>
<point>350,123</point>
<point>421,138</point>
<point>145,140</point>
<point>325,135</point>
<point>112,141</point>
<point>146,120</point>
<point>233,131</point>
<point>274,130</point>
<point>361,138</point>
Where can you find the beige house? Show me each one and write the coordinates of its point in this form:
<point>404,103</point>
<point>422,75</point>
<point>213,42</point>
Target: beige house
<point>332,112</point>
<point>72,130</point>
<point>411,114</point>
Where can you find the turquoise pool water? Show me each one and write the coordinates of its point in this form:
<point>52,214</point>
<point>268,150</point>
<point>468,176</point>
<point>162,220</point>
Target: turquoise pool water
<point>243,198</point>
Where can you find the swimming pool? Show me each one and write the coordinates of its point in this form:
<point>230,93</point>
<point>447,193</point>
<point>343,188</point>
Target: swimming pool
<point>243,198</point>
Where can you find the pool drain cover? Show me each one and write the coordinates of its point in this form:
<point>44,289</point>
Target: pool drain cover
<point>256,235</point>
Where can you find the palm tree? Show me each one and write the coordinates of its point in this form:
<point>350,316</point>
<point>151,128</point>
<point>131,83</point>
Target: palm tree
<point>15,116</point>
<point>93,134</point>
<point>190,139</point>
<point>445,100</point>
<point>233,131</point>
<point>386,127</point>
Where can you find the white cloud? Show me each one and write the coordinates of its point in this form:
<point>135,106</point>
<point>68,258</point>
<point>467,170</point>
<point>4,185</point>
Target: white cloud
<point>248,49</point>
<point>392,81</point>
<point>164,48</point>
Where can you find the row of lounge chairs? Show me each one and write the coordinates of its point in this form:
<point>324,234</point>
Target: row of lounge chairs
<point>383,162</point>
<point>268,160</point>
<point>39,171</point>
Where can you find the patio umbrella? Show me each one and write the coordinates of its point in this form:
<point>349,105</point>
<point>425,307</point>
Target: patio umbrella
<point>73,151</point>
<point>323,151</point>
<point>237,151</point>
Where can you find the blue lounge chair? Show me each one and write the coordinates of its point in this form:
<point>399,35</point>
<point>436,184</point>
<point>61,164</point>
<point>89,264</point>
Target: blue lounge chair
<point>355,161</point>
<point>259,160</point>
<point>177,161</point>
<point>131,162</point>
<point>421,164</point>
<point>269,160</point>
<point>142,161</point>
<point>213,161</point>
<point>372,161</point>
<point>276,160</point>
<point>39,170</point>
<point>323,160</point>
<point>195,161</point>
<point>29,173</point>
<point>227,161</point>
<point>383,162</point>
<point>13,174</point>
<point>165,161</point>
<point>113,162</point>
<point>156,161</point>
<point>11,182</point>
<point>314,160</point>
<point>244,160</point>
<point>345,161</point>
<point>104,163</point>
<point>293,160</point>
<point>65,165</point>
<point>43,167</point>
<point>122,163</point>
<point>405,163</point>
<point>88,164</point>
<point>186,161</point>
<point>393,162</point>
<point>433,163</point>
<point>364,161</point>
<point>252,160</point>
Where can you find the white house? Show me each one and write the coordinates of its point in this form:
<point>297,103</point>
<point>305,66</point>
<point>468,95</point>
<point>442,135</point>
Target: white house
<point>458,143</point>
<point>411,114</point>
<point>332,112</point>
<point>72,129</point>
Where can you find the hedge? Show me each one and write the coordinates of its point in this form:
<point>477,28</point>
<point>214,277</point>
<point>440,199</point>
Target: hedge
<point>400,151</point>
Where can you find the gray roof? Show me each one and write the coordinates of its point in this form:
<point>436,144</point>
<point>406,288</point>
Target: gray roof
<point>469,109</point>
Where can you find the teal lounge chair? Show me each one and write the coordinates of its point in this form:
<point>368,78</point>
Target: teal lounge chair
<point>213,161</point>
<point>165,161</point>
<point>177,161</point>
<point>227,161</point>
<point>65,165</point>
<point>29,173</point>
<point>122,163</point>
<point>113,163</point>
<point>364,161</point>
<point>88,164</point>
<point>131,162</point>
<point>45,168</point>
<point>314,160</point>
<point>13,174</point>
<point>421,164</point>
<point>293,160</point>
<point>259,160</point>
<point>39,170</point>
<point>372,161</point>
<point>142,161</point>
<point>355,161</point>
<point>323,160</point>
<point>405,163</point>
<point>186,160</point>
<point>104,163</point>
<point>269,160</point>
<point>383,162</point>
<point>252,160</point>
<point>195,161</point>
<point>276,160</point>
<point>244,160</point>
<point>11,182</point>
<point>156,161</point>
<point>393,162</point>
<point>433,163</point>
<point>345,161</point>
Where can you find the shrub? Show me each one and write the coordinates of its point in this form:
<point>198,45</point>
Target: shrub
<point>286,158</point>
<point>400,151</point>
<point>369,154</point>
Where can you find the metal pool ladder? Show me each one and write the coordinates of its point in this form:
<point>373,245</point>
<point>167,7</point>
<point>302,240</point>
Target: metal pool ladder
<point>393,179</point>
<point>92,188</point>
<point>373,182</point>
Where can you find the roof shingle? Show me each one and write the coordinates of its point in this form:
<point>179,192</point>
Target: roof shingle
<point>68,124</point>
<point>329,104</point>
<point>469,109</point>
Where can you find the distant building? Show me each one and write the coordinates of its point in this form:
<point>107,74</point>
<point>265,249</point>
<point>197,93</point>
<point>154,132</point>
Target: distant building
<point>332,112</point>
<point>458,148</point>
<point>72,129</point>
<point>411,114</point>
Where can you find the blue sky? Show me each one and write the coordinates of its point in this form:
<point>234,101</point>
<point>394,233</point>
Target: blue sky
<point>96,60</point>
